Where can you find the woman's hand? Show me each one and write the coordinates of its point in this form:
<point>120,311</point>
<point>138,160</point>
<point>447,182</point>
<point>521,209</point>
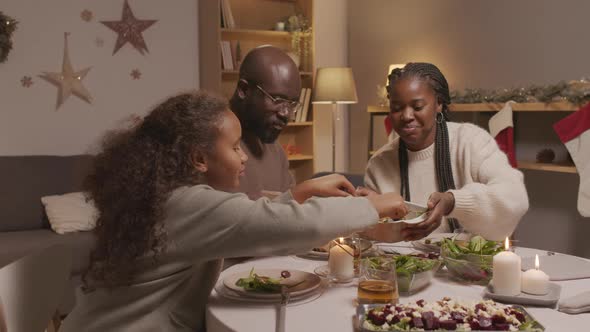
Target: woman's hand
<point>325,186</point>
<point>439,205</point>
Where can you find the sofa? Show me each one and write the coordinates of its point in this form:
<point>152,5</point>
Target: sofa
<point>24,228</point>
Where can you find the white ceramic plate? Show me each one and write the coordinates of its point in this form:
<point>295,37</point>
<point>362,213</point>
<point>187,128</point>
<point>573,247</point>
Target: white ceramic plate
<point>301,282</point>
<point>417,214</point>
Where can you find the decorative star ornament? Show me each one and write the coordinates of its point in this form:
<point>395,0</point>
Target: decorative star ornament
<point>68,81</point>
<point>129,30</point>
<point>135,74</point>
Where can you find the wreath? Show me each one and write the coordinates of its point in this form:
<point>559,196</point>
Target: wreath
<point>7,27</point>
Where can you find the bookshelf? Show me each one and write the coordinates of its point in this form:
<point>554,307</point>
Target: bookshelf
<point>254,24</point>
<point>557,167</point>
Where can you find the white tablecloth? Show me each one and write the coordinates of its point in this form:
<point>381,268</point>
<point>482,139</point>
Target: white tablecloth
<point>335,309</point>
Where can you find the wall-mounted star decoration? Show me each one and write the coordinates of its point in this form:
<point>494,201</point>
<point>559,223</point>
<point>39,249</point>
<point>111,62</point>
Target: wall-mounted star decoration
<point>129,30</point>
<point>135,74</point>
<point>68,81</point>
<point>26,81</point>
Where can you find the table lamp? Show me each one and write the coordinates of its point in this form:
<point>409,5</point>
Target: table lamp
<point>334,85</point>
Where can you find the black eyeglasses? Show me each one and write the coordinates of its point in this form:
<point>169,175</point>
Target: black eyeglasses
<point>292,106</point>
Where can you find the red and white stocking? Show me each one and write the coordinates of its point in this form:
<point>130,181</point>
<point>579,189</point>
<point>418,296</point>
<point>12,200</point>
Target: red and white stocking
<point>574,132</point>
<point>502,129</point>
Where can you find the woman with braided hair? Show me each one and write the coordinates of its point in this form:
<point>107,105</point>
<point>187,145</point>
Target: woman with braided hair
<point>456,169</point>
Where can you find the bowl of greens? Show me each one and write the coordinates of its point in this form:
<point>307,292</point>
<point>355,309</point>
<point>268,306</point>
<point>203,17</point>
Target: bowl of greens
<point>413,271</point>
<point>470,261</point>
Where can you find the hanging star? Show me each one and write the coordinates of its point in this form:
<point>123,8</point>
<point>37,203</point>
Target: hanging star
<point>129,30</point>
<point>68,81</point>
<point>135,74</point>
<point>26,81</point>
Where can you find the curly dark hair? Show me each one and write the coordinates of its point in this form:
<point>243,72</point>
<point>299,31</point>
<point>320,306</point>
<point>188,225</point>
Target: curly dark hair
<point>134,174</point>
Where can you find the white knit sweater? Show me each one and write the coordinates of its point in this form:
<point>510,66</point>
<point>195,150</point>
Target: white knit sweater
<point>490,198</point>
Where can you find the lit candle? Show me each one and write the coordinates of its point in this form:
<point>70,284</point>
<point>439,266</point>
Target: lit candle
<point>535,281</point>
<point>506,275</point>
<point>341,261</point>
<point>280,26</point>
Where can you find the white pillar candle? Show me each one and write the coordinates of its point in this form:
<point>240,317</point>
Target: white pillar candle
<point>506,274</point>
<point>341,261</point>
<point>535,281</point>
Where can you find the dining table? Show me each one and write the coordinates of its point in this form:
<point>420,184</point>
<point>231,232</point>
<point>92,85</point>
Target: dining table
<point>333,307</point>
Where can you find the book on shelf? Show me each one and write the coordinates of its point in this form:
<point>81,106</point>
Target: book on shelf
<point>226,56</point>
<point>235,53</point>
<point>306,105</point>
<point>226,15</point>
<point>299,109</point>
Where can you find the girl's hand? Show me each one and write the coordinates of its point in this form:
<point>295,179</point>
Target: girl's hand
<point>389,205</point>
<point>325,186</point>
<point>439,205</point>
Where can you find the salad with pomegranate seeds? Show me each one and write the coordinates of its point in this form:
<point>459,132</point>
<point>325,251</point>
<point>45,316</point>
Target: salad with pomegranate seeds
<point>449,315</point>
<point>259,283</point>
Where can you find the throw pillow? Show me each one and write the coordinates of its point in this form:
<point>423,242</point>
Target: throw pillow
<point>70,212</point>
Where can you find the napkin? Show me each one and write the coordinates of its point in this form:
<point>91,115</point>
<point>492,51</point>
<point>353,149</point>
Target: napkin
<point>560,267</point>
<point>575,304</point>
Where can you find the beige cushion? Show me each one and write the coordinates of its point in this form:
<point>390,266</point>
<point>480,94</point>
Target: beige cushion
<point>70,212</point>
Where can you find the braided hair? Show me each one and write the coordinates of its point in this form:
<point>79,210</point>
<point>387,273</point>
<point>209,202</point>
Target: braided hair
<point>444,171</point>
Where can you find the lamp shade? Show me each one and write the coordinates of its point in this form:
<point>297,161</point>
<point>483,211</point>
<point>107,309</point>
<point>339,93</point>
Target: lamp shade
<point>334,85</point>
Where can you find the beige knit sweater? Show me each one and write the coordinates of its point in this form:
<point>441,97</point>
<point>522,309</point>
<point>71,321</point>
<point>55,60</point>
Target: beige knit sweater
<point>490,198</point>
<point>203,226</point>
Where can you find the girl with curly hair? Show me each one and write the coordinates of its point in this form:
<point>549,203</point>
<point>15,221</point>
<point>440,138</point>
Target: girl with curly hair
<point>168,217</point>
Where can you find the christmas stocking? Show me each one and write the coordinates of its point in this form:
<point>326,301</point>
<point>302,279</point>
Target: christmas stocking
<point>574,132</point>
<point>391,134</point>
<point>502,129</point>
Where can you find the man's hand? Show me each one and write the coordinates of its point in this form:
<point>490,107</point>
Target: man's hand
<point>439,205</point>
<point>333,185</point>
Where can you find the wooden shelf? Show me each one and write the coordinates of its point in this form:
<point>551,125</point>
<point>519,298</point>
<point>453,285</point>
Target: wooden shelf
<point>266,35</point>
<point>494,107</point>
<point>516,107</point>
<point>300,124</point>
<point>233,74</point>
<point>560,168</point>
<point>299,157</point>
<point>377,109</point>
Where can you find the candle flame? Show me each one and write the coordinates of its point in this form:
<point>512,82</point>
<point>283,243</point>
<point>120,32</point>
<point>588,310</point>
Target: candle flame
<point>506,244</point>
<point>341,239</point>
<point>536,261</point>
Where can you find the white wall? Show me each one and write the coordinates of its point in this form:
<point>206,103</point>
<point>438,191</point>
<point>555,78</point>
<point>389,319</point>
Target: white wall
<point>331,45</point>
<point>28,121</point>
<point>485,44</point>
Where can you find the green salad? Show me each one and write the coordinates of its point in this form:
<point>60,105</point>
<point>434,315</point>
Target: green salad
<point>258,283</point>
<point>476,246</point>
<point>470,261</point>
<point>405,265</point>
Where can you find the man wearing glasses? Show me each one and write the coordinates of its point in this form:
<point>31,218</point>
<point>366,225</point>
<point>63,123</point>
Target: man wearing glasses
<point>265,100</point>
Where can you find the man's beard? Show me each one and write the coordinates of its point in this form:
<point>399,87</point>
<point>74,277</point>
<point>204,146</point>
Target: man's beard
<point>268,136</point>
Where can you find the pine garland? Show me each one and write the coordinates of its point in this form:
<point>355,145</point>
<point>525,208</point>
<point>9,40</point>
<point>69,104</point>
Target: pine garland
<point>575,92</point>
<point>7,27</point>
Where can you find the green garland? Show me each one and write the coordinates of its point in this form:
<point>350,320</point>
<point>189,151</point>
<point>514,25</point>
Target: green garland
<point>575,92</point>
<point>7,27</point>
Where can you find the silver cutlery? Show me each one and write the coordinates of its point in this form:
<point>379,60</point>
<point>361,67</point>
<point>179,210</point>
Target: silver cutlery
<point>285,296</point>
